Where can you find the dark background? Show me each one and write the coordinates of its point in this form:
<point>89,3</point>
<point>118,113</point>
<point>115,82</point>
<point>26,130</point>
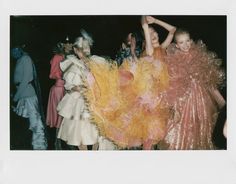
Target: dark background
<point>41,33</point>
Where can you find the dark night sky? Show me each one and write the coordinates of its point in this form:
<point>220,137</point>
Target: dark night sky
<point>41,33</point>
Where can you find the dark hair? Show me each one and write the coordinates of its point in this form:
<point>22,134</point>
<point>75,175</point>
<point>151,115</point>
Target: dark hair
<point>67,39</point>
<point>138,38</point>
<point>17,52</point>
<point>180,31</point>
<point>59,48</point>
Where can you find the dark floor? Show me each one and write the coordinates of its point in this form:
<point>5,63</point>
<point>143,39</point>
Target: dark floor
<point>218,137</point>
<point>20,136</point>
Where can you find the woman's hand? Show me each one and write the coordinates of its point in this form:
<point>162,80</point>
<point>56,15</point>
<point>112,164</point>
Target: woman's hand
<point>78,88</point>
<point>133,45</point>
<point>150,19</point>
<point>123,46</point>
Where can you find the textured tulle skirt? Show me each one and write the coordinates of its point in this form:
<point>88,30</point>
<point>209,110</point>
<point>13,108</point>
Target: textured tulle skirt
<point>126,105</point>
<point>76,128</point>
<point>29,108</point>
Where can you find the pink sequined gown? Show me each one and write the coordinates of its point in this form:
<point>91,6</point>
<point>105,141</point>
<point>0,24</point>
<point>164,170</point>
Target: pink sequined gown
<point>56,92</point>
<point>193,94</point>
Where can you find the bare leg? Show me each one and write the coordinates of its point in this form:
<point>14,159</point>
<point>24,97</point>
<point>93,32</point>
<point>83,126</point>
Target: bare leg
<point>225,129</point>
<point>83,147</point>
<point>147,145</point>
<point>95,146</point>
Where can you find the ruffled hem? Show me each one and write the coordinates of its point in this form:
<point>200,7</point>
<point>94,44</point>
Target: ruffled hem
<point>73,106</point>
<point>126,106</point>
<point>199,65</point>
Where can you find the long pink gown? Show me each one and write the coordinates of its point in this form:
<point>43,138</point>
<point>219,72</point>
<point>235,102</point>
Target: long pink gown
<point>194,79</point>
<point>56,92</point>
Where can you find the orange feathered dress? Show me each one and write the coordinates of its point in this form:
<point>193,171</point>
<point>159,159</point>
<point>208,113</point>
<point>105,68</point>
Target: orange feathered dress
<point>126,103</point>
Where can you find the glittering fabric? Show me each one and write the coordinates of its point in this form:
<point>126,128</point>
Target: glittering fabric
<point>193,96</point>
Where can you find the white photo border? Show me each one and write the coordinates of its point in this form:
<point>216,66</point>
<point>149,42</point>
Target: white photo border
<point>117,166</point>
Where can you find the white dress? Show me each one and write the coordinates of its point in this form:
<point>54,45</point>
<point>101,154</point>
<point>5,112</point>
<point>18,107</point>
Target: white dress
<point>76,128</point>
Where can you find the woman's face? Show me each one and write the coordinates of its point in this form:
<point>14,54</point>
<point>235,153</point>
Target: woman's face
<point>183,42</point>
<point>84,51</point>
<point>86,48</point>
<point>67,47</point>
<point>154,37</point>
<point>79,53</point>
<point>16,53</point>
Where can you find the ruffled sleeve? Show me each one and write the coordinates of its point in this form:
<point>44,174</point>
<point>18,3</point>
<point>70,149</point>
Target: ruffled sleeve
<point>55,72</point>
<point>73,72</point>
<point>72,79</point>
<point>200,65</point>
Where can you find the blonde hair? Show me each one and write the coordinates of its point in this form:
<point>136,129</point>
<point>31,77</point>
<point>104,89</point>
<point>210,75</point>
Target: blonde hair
<point>180,31</point>
<point>85,37</point>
